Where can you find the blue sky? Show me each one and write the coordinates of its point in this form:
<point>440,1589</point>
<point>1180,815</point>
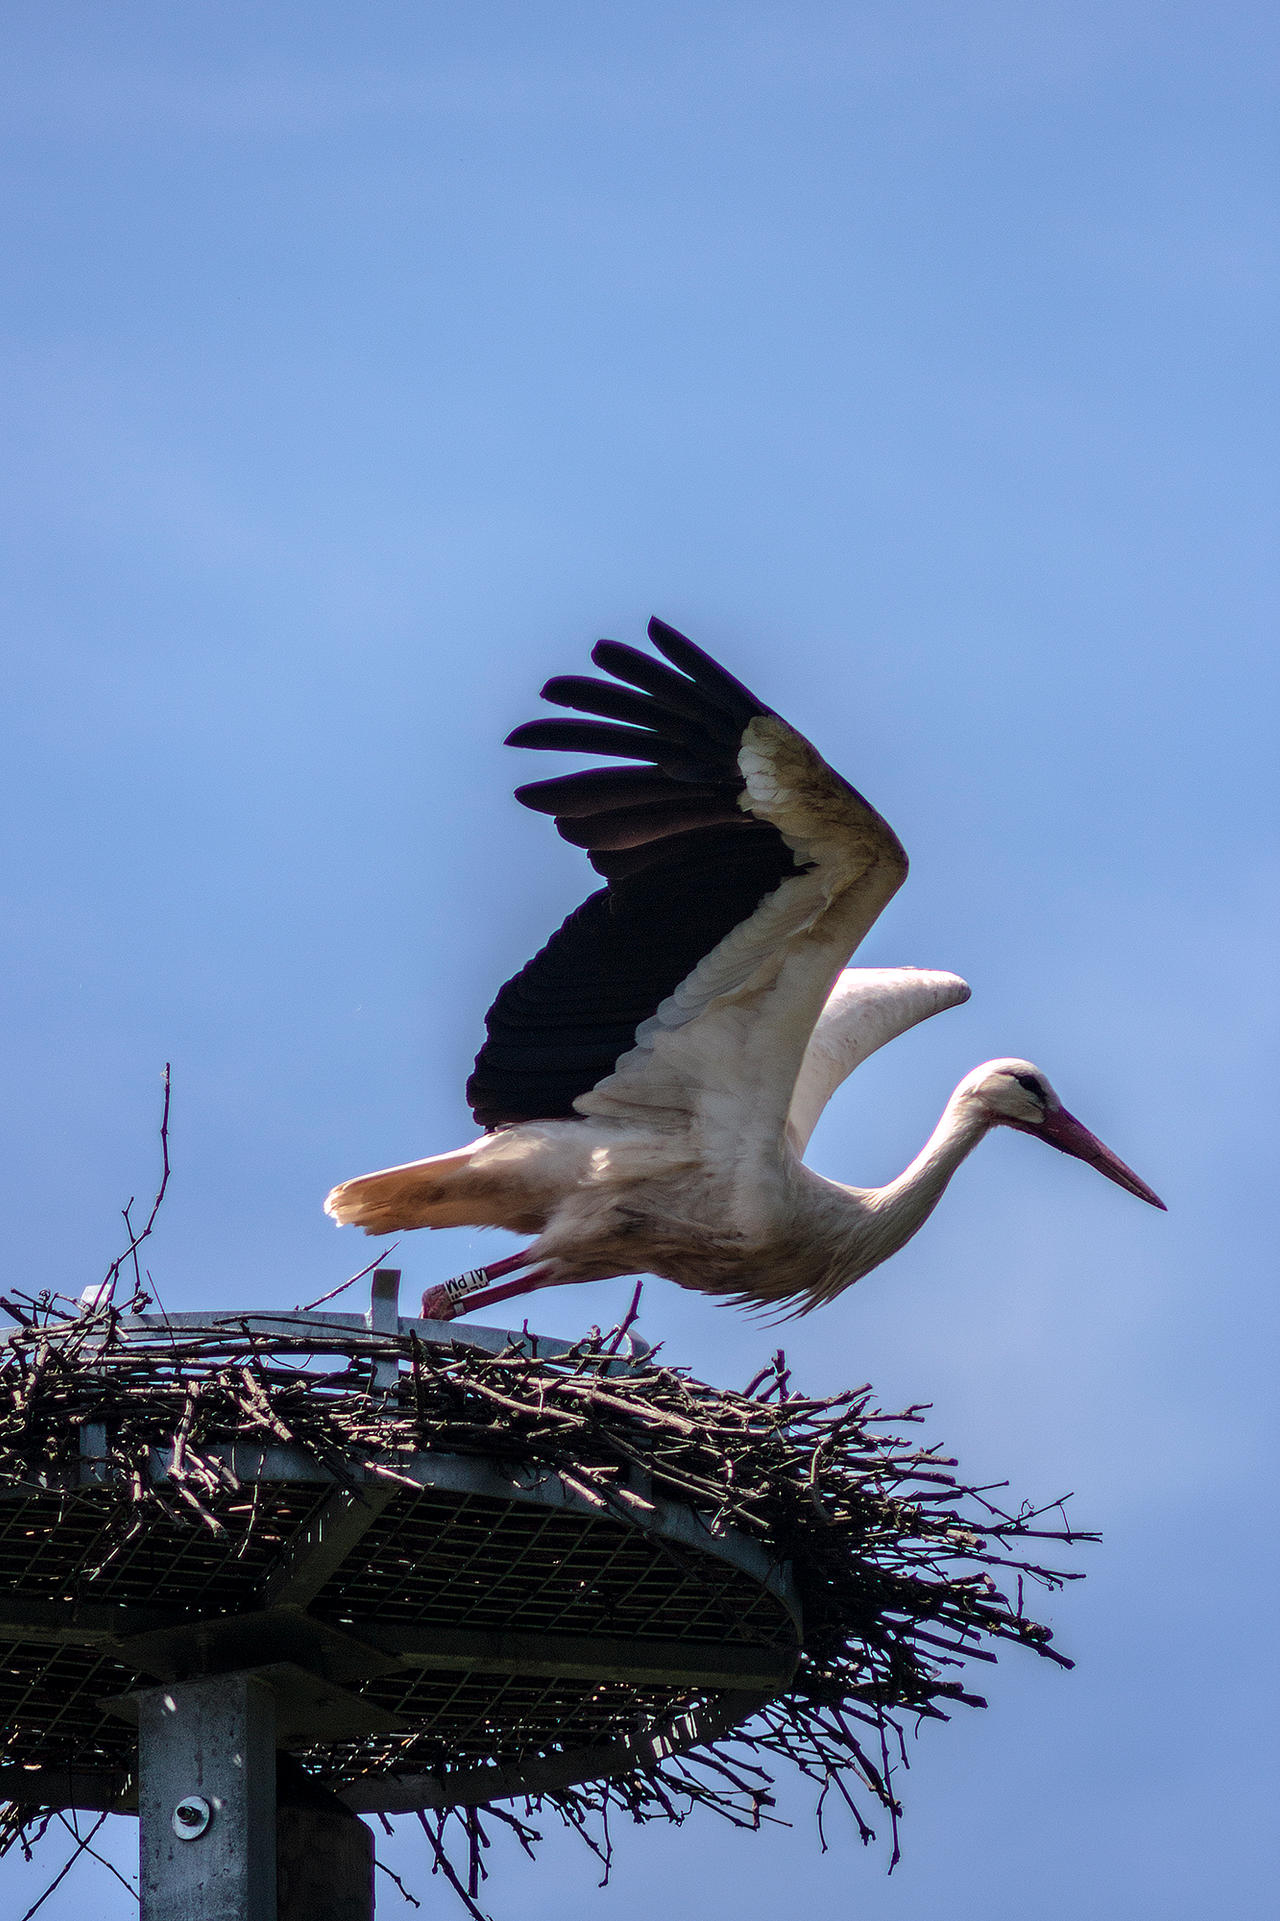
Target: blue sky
<point>360,367</point>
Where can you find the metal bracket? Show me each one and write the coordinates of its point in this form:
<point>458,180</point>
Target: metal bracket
<point>221,1643</point>
<point>93,1453</point>
<point>384,1318</point>
<point>311,1558</point>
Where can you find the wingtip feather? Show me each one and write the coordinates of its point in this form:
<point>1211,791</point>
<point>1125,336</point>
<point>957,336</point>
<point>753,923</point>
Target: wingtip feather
<point>702,668</point>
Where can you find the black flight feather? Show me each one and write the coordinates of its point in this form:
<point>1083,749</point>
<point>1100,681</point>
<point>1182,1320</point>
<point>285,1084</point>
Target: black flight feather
<point>598,789</point>
<point>685,864</point>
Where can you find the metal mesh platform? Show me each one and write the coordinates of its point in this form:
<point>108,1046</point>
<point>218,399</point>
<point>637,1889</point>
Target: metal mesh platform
<point>434,1623</point>
<point>261,1570</point>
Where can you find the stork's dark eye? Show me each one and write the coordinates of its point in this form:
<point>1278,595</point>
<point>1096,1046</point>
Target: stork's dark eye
<point>1030,1082</point>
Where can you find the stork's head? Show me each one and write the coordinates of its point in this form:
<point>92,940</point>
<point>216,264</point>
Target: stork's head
<point>1013,1093</point>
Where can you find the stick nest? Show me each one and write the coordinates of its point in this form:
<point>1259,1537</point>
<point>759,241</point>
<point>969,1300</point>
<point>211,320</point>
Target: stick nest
<point>905,1574</point>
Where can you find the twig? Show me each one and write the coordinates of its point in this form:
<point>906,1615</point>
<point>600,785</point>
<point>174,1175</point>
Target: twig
<point>101,1859</point>
<point>627,1322</point>
<point>334,1292</point>
<point>391,1874</point>
<point>65,1869</point>
<point>445,1866</point>
<point>106,1288</point>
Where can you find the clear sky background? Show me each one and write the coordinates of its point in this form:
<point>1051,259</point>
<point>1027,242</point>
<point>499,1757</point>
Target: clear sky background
<point>361,366</point>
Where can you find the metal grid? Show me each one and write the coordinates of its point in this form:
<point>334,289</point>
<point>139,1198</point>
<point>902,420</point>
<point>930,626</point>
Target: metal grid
<point>478,1562</point>
<point>49,1708</point>
<point>71,1545</point>
<point>483,1604</point>
<point>466,1719</point>
<point>432,1559</point>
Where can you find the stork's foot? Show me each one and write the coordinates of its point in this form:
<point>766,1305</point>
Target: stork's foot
<point>439,1305</point>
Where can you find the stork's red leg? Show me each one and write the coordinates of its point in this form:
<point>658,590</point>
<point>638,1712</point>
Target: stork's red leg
<point>446,1299</point>
<point>506,1266</point>
<point>443,1303</point>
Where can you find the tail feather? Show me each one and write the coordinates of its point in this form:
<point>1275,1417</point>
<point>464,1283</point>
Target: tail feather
<point>430,1193</point>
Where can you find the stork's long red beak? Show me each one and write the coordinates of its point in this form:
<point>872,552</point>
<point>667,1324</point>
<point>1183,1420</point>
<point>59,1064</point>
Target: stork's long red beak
<point>1063,1130</point>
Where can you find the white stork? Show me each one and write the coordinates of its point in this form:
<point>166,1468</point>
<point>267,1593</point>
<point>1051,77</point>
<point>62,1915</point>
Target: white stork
<point>650,1080</point>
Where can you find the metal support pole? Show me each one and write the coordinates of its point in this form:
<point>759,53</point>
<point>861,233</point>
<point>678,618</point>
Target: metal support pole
<point>207,1800</point>
<point>324,1855</point>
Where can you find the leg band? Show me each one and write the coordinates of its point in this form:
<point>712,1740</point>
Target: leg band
<point>464,1284</point>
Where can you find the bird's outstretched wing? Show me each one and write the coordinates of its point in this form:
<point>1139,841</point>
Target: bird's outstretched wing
<point>742,872</point>
<point>867,1007</point>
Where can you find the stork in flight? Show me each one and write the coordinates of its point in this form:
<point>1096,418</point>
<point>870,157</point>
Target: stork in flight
<point>650,1080</point>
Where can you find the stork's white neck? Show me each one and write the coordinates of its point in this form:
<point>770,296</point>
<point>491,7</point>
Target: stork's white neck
<point>886,1217</point>
<point>919,1188</point>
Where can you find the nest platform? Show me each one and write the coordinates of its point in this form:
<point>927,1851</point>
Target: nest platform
<point>476,1566</point>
